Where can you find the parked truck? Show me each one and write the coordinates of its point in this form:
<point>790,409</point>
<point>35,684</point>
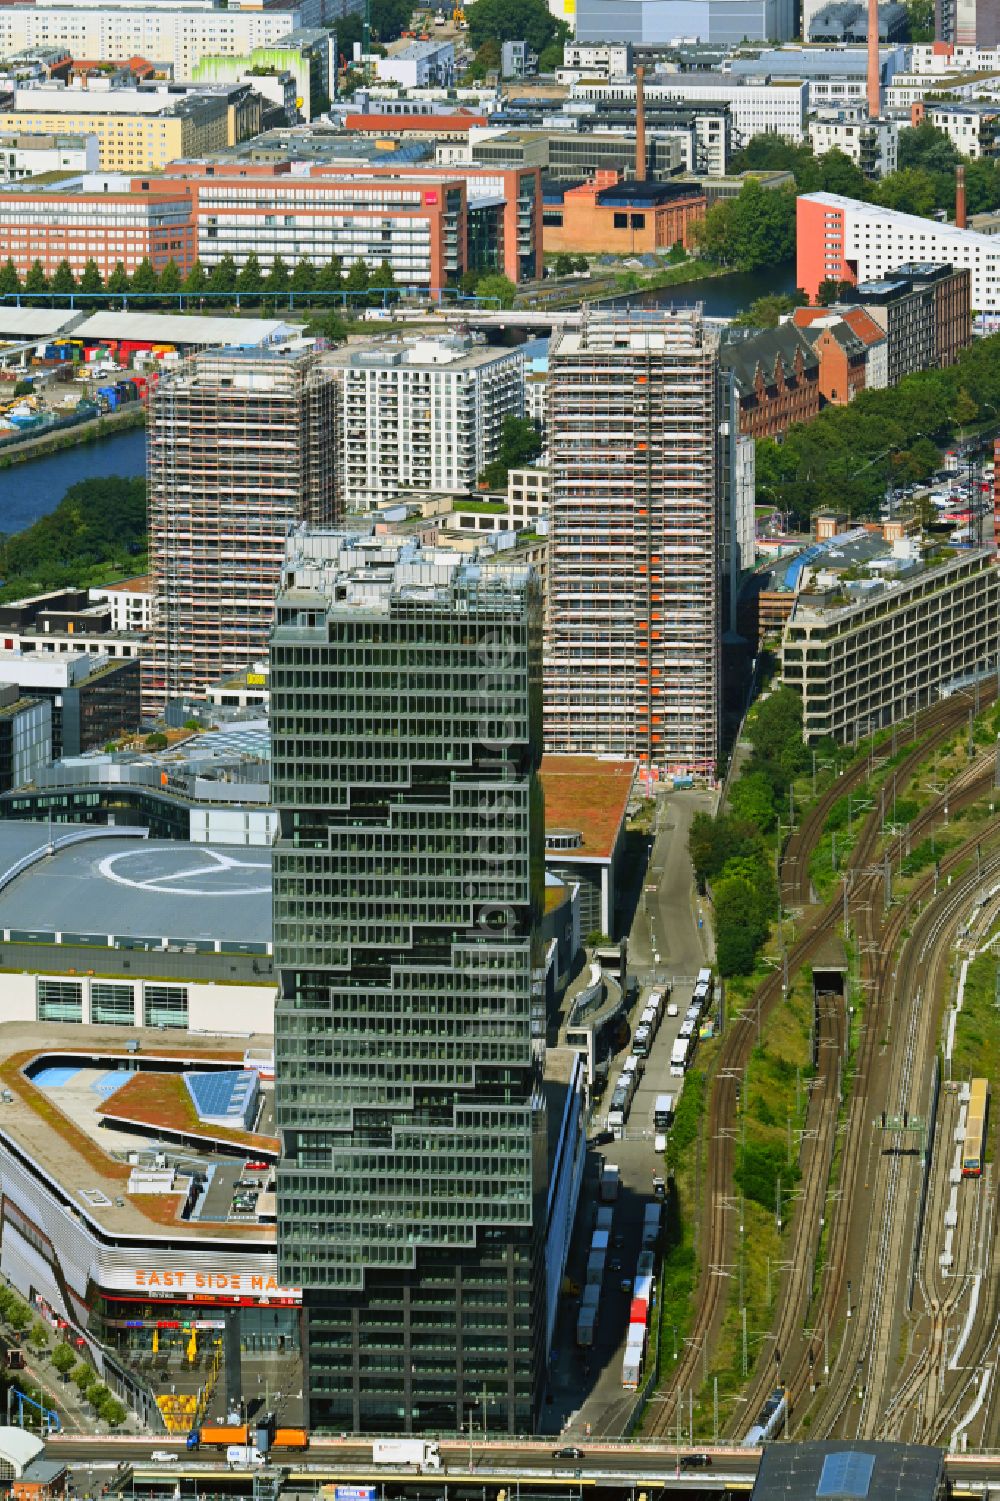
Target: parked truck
<point>610,1183</point>
<point>406,1451</point>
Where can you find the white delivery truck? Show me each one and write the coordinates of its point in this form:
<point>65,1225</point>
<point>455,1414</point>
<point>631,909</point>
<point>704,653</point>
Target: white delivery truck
<point>406,1451</point>
<point>244,1457</point>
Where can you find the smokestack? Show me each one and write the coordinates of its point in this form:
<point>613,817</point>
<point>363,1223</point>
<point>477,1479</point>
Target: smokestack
<point>874,92</point>
<point>960,221</point>
<point>640,124</point>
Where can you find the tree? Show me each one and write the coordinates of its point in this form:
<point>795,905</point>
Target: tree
<point>97,1395</point>
<point>564,265</point>
<point>965,410</point>
<point>36,280</point>
<point>118,280</point>
<point>222,277</point>
<point>752,230</point>
<point>10,282</point>
<point>156,741</point>
<point>830,290</point>
<point>18,1315</point>
<point>838,174</point>
<point>196,280</point>
<point>520,443</point>
<point>84,1377</point>
<point>768,311</point>
<point>64,1359</point>
<point>582,264</point>
<point>63,279</point>
<point>39,1336</point>
<point>112,1411</point>
<point>927,147</point>
<point>752,798</point>
<point>144,278</point>
<point>511,20</point>
<point>91,280</point>
<point>277,278</point>
<point>331,327</point>
<point>911,190</point>
<point>303,278</point>
<point>170,278</point>
<point>921,17</point>
<point>330,278</point>
<point>250,278</point>
<point>357,279</point>
<point>495,286</point>
<point>384,280</point>
<point>485,62</point>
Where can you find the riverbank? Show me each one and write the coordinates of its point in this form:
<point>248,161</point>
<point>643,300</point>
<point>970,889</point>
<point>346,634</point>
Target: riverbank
<point>606,282</point>
<point>93,431</point>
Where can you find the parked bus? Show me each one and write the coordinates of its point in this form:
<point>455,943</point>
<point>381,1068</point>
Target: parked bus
<point>704,987</point>
<point>975,1129</point>
<point>642,1041</point>
<point>681,1057</point>
<point>663,1111</point>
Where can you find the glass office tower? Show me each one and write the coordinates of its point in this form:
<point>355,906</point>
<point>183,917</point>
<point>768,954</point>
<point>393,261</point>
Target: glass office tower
<point>408,886</point>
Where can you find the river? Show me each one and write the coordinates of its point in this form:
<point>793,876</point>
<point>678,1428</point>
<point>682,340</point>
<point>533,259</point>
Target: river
<point>720,296</point>
<point>34,488</point>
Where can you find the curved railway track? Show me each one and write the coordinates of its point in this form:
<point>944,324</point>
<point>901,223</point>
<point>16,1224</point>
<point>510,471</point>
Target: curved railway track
<point>940,721</point>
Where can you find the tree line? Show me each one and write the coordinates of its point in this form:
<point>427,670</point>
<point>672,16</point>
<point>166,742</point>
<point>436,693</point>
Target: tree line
<point>847,455</point>
<point>733,852</point>
<point>96,532</point>
<point>249,280</point>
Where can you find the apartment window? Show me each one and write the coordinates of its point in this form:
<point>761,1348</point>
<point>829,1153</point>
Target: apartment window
<point>621,221</point>
<point>112,1005</point>
<point>60,1000</point>
<point>165,1005</point>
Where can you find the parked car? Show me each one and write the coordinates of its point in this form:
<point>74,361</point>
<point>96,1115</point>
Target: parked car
<point>695,1461</point>
<point>568,1453</point>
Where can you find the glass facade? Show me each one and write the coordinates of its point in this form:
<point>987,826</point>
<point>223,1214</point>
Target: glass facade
<point>408,880</point>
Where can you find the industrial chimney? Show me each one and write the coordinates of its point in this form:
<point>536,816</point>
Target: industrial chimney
<point>960,221</point>
<point>640,124</point>
<point>874,92</point>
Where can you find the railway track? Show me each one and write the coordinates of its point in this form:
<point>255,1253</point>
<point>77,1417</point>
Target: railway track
<point>935,724</point>
<point>865,1351</point>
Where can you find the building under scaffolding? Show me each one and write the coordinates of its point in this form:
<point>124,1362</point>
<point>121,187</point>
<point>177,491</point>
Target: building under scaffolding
<point>242,442</point>
<point>632,664</point>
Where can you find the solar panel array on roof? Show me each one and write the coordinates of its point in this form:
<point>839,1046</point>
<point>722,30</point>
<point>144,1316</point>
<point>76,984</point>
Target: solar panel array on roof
<point>846,1475</point>
<point>226,1097</point>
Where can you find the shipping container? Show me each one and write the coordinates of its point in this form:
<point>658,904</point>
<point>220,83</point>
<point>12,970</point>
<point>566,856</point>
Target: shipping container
<point>638,1312</point>
<point>595,1267</point>
<point>600,1240</point>
<point>610,1183</point>
<point>605,1217</point>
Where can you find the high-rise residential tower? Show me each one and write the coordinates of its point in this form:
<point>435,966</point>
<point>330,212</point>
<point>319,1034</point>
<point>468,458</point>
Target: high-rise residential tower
<point>408,881</point>
<point>242,444</point>
<point>424,414</point>
<point>633,648</point>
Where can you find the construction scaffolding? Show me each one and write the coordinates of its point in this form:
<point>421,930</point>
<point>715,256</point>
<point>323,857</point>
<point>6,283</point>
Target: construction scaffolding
<point>241,444</point>
<point>633,640</point>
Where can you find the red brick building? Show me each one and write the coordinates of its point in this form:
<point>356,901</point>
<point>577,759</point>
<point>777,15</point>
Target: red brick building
<point>776,373</point>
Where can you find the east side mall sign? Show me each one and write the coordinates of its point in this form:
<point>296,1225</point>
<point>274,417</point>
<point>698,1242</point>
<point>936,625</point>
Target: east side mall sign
<point>260,1286</point>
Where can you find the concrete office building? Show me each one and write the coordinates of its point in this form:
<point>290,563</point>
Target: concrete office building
<point>32,154</point>
<point>872,145</point>
<point>967,23</point>
<point>843,239</point>
<point>422,415</point>
<point>25,736</point>
<point>240,445</point>
<point>178,35</point>
<point>93,699</point>
<point>643,23</point>
<point>863,654</point>
<point>632,659</point>
<point>412,1187</point>
<point>140,129</point>
<point>754,108</point>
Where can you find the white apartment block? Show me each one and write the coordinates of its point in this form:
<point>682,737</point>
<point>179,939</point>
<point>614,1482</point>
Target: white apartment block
<point>972,128</point>
<point>599,59</point>
<point>160,32</point>
<point>872,145</point>
<point>425,415</point>
<point>132,604</point>
<point>928,57</point>
<point>754,109</point>
<point>844,239</point>
<point>30,155</point>
<point>907,89</point>
<point>633,636</point>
